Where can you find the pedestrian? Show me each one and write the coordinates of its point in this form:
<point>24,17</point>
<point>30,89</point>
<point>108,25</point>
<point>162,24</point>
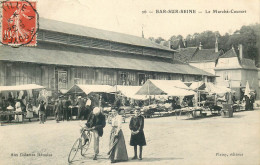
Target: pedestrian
<point>88,107</point>
<point>67,110</point>
<point>41,112</point>
<point>63,101</point>
<point>29,110</point>
<point>58,109</point>
<point>247,107</point>
<point>18,108</point>
<point>117,148</point>
<point>81,105</point>
<point>252,101</point>
<point>96,122</point>
<point>137,134</point>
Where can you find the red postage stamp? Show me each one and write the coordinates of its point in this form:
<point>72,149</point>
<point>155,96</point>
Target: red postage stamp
<point>19,23</point>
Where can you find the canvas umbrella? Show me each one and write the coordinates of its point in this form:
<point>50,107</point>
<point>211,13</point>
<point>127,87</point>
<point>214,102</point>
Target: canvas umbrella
<point>247,90</point>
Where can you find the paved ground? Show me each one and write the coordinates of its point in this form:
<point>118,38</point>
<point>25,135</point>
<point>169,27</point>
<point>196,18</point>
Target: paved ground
<point>210,140</point>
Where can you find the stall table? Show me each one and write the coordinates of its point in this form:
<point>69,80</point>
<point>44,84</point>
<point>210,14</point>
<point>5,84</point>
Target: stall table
<point>11,113</point>
<point>191,112</point>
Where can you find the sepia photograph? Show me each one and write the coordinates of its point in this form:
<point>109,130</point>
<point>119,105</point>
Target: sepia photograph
<point>130,82</point>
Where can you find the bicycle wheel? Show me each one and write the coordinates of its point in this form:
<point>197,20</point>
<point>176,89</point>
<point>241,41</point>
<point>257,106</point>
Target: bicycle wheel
<point>74,150</point>
<point>86,146</point>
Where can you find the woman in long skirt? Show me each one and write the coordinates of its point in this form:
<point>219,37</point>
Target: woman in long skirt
<point>117,148</point>
<point>18,109</point>
<point>29,109</point>
<point>137,134</point>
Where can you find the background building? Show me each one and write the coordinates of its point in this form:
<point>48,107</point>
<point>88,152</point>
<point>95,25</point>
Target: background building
<point>205,59</point>
<point>234,71</point>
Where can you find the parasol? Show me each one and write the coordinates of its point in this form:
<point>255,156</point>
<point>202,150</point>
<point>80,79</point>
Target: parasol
<point>247,90</point>
<point>113,146</point>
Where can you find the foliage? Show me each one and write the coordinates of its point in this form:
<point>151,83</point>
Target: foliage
<point>248,36</point>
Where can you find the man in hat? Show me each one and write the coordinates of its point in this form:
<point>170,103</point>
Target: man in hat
<point>81,106</point>
<point>96,122</point>
<point>88,106</point>
<point>68,103</point>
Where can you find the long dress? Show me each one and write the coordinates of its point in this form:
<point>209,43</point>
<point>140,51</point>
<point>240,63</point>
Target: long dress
<point>29,110</point>
<point>119,152</point>
<point>137,124</point>
<point>18,109</point>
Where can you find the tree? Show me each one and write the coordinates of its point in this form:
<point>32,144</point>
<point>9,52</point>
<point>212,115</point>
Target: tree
<point>159,40</point>
<point>248,36</point>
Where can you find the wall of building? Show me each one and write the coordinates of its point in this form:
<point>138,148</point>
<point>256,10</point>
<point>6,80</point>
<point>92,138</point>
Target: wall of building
<point>228,63</point>
<point>63,77</point>
<point>237,78</point>
<point>252,77</point>
<point>206,66</point>
<point>230,78</point>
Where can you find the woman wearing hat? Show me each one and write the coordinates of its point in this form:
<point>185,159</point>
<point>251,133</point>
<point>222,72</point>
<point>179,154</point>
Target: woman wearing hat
<point>137,134</point>
<point>117,148</point>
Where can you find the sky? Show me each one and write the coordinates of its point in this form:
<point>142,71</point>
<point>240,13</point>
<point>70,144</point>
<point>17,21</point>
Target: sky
<point>127,16</point>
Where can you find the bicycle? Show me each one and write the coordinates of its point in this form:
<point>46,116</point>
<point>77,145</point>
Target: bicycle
<point>78,144</point>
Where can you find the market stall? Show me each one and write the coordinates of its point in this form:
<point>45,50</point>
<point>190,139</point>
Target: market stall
<point>12,93</point>
<point>168,88</point>
<point>127,91</point>
<point>210,94</point>
<point>127,98</point>
<point>86,90</point>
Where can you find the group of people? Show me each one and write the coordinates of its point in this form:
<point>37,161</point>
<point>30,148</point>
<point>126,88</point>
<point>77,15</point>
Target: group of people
<point>117,147</point>
<point>63,107</point>
<point>250,100</point>
<point>18,105</point>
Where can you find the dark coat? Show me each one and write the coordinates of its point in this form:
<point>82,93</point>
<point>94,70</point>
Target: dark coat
<point>42,108</point>
<point>58,107</point>
<point>137,124</point>
<point>98,122</point>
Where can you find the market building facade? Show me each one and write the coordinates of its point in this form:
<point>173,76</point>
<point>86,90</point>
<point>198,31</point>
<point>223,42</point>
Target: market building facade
<point>68,54</point>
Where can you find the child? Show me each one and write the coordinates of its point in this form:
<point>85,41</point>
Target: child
<point>137,134</point>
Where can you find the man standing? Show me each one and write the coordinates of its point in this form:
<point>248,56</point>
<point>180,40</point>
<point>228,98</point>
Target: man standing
<point>58,109</point>
<point>81,106</point>
<point>96,122</point>
<point>67,105</point>
<point>88,107</point>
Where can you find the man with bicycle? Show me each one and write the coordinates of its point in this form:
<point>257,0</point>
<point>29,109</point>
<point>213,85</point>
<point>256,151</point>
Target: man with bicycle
<point>96,122</point>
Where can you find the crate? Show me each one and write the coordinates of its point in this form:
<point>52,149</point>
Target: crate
<point>227,110</point>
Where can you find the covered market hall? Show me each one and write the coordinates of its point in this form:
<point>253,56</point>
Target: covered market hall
<point>68,54</point>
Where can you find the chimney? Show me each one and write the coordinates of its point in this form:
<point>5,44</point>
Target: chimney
<point>216,45</point>
<point>200,46</point>
<point>142,32</point>
<point>240,48</point>
<point>169,44</point>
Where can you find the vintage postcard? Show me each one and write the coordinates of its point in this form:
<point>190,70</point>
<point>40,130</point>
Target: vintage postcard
<point>130,82</point>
